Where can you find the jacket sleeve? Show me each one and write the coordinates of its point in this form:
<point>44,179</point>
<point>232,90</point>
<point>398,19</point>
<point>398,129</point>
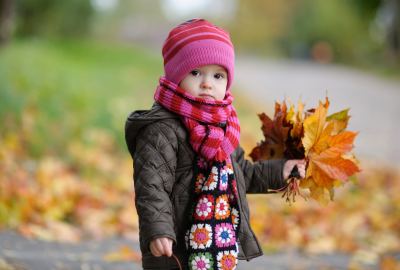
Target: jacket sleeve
<point>261,176</point>
<point>154,175</point>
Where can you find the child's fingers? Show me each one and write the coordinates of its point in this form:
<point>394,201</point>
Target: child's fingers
<point>155,252</point>
<point>290,164</point>
<point>160,246</point>
<point>153,248</point>
<point>302,170</point>
<point>301,161</point>
<point>170,242</point>
<point>301,166</point>
<point>167,246</point>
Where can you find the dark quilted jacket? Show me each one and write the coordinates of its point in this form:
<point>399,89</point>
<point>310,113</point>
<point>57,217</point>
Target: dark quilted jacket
<point>163,161</point>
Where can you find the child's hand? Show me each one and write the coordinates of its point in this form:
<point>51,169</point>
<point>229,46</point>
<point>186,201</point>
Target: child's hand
<point>161,246</point>
<point>289,165</point>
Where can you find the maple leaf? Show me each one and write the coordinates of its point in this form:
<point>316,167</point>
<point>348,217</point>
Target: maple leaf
<point>280,141</point>
<point>313,127</point>
<point>296,119</point>
<point>275,134</point>
<point>322,140</point>
<point>339,120</point>
<point>338,144</point>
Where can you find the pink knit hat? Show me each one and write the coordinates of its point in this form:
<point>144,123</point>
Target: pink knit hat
<point>196,43</point>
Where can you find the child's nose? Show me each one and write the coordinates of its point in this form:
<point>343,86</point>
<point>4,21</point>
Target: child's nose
<point>205,83</point>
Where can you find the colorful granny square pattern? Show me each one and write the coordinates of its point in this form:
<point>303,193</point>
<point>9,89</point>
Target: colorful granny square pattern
<point>201,261</point>
<point>227,260</point>
<point>200,236</point>
<point>211,240</point>
<point>223,184</point>
<point>224,235</point>
<point>212,180</point>
<point>222,207</point>
<point>204,208</point>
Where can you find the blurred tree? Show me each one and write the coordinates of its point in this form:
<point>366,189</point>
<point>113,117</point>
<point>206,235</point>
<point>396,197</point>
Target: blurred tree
<point>367,8</point>
<point>388,11</point>
<point>260,23</point>
<point>330,26</point>
<point>393,26</point>
<point>54,18</point>
<point>135,21</point>
<point>6,19</point>
<point>325,30</point>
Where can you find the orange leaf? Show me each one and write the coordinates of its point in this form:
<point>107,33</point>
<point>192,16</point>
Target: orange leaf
<point>339,144</point>
<point>336,168</point>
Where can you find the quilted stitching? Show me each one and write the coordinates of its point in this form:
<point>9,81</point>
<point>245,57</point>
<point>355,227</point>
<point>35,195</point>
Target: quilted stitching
<point>163,175</point>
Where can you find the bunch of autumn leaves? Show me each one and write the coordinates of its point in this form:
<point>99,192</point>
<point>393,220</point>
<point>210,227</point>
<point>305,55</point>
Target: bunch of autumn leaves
<point>312,135</point>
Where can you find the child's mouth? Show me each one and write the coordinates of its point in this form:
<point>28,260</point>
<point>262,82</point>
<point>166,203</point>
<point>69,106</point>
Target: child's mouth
<point>205,96</point>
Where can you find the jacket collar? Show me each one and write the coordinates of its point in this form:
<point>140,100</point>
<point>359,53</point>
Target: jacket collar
<point>140,118</point>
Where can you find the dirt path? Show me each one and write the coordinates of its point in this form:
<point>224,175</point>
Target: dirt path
<point>373,101</point>
<point>18,253</point>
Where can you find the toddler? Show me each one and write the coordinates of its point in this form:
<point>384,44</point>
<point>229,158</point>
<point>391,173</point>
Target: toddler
<point>190,173</point>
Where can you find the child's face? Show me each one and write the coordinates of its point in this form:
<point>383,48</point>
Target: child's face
<point>208,82</point>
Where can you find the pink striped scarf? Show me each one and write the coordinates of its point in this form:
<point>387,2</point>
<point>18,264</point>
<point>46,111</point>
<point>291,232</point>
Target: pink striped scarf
<point>204,120</point>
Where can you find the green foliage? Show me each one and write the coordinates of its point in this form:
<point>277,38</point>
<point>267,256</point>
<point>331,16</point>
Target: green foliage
<point>333,22</point>
<point>295,28</point>
<point>337,23</point>
<point>259,23</point>
<point>53,18</point>
<point>56,90</point>
<point>367,8</point>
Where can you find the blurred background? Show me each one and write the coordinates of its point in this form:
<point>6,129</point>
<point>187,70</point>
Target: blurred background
<point>71,72</point>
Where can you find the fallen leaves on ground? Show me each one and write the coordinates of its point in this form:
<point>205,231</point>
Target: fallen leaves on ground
<point>90,195</point>
<point>125,254</point>
<point>363,220</point>
<point>6,266</point>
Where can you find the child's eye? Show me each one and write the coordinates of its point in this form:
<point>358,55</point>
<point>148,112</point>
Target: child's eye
<point>219,76</point>
<point>195,72</point>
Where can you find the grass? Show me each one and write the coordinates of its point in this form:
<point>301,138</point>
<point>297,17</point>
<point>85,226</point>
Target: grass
<point>59,88</point>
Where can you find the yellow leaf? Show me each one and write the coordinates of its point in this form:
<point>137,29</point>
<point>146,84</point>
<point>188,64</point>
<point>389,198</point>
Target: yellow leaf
<point>300,111</point>
<point>339,120</point>
<point>323,141</point>
<point>291,115</point>
<point>313,127</point>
